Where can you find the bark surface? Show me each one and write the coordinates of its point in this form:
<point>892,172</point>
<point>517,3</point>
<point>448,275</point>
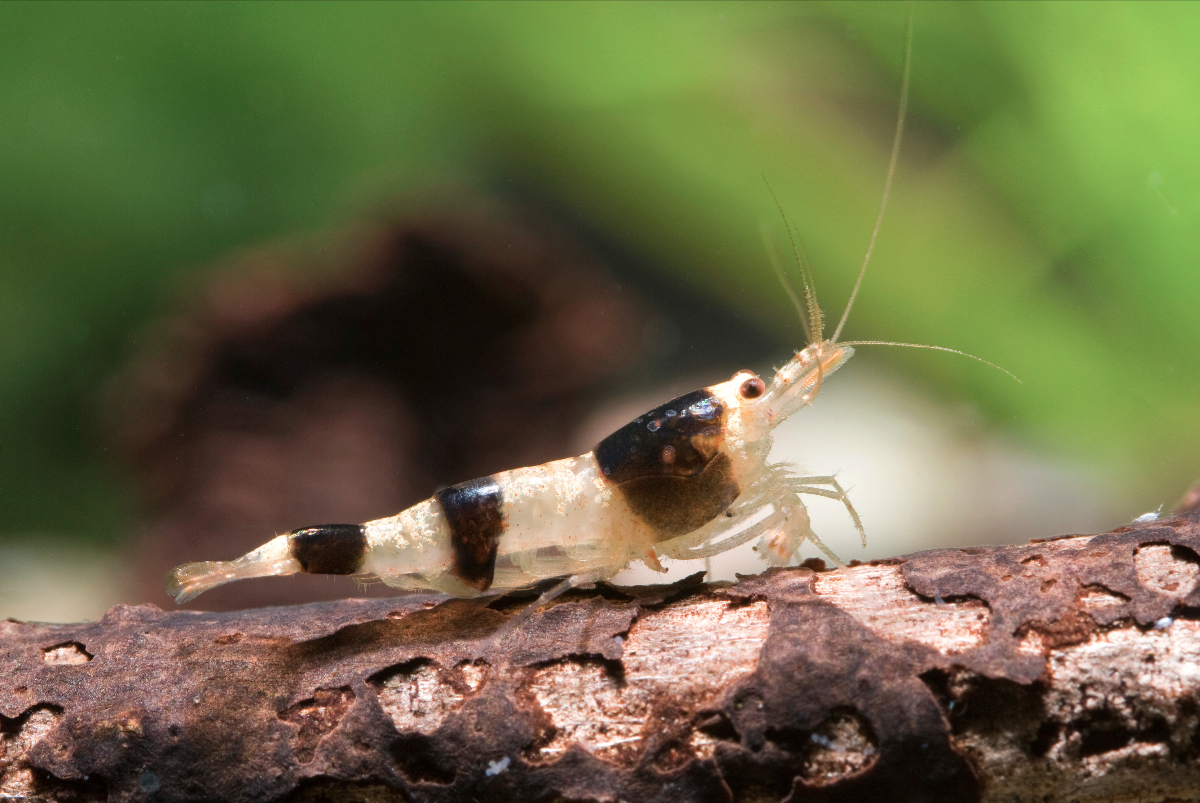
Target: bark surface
<point>1064,670</point>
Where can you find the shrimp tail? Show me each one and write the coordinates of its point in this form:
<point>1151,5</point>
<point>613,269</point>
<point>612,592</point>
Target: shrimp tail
<point>273,558</point>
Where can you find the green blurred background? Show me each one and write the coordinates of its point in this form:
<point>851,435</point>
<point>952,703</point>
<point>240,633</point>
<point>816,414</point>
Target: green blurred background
<point>1042,216</point>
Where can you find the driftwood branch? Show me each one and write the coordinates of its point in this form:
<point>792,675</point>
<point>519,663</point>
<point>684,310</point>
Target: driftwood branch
<point>1064,670</point>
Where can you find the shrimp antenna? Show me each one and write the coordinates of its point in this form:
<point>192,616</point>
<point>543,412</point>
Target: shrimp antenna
<point>935,348</point>
<point>791,291</point>
<point>815,319</point>
<point>887,186</point>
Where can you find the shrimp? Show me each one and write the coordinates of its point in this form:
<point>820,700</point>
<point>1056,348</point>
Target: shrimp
<point>689,479</point>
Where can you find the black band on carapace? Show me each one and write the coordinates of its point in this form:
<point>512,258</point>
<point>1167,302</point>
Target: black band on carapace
<point>677,439</point>
<point>329,548</point>
<point>676,505</point>
<point>473,511</point>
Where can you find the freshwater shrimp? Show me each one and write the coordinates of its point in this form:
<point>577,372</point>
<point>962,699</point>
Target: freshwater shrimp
<point>689,479</point>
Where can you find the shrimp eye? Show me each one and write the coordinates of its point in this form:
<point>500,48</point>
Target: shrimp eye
<point>752,388</point>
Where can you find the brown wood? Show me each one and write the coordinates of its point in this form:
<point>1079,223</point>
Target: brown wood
<point>1064,670</point>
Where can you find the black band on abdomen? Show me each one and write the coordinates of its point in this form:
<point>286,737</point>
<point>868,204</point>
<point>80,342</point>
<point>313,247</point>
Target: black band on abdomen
<point>473,512</point>
<point>329,548</point>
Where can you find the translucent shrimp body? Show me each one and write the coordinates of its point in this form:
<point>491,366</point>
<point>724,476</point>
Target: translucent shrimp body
<point>688,479</point>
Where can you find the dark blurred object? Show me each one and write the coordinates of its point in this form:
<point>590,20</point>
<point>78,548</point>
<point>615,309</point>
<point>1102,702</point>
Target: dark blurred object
<point>344,381</point>
<point>1190,502</point>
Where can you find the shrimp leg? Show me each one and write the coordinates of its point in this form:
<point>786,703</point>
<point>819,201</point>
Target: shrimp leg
<point>837,493</point>
<point>769,517</point>
<point>772,509</point>
<point>755,511</point>
<point>783,531</point>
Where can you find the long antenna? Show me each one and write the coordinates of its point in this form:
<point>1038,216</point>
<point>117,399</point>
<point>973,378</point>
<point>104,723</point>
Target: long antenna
<point>887,187</point>
<point>935,348</point>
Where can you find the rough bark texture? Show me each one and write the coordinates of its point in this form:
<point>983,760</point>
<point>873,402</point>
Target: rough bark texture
<point>1064,670</point>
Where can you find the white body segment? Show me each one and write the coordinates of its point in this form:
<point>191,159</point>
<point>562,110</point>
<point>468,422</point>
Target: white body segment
<point>561,518</point>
